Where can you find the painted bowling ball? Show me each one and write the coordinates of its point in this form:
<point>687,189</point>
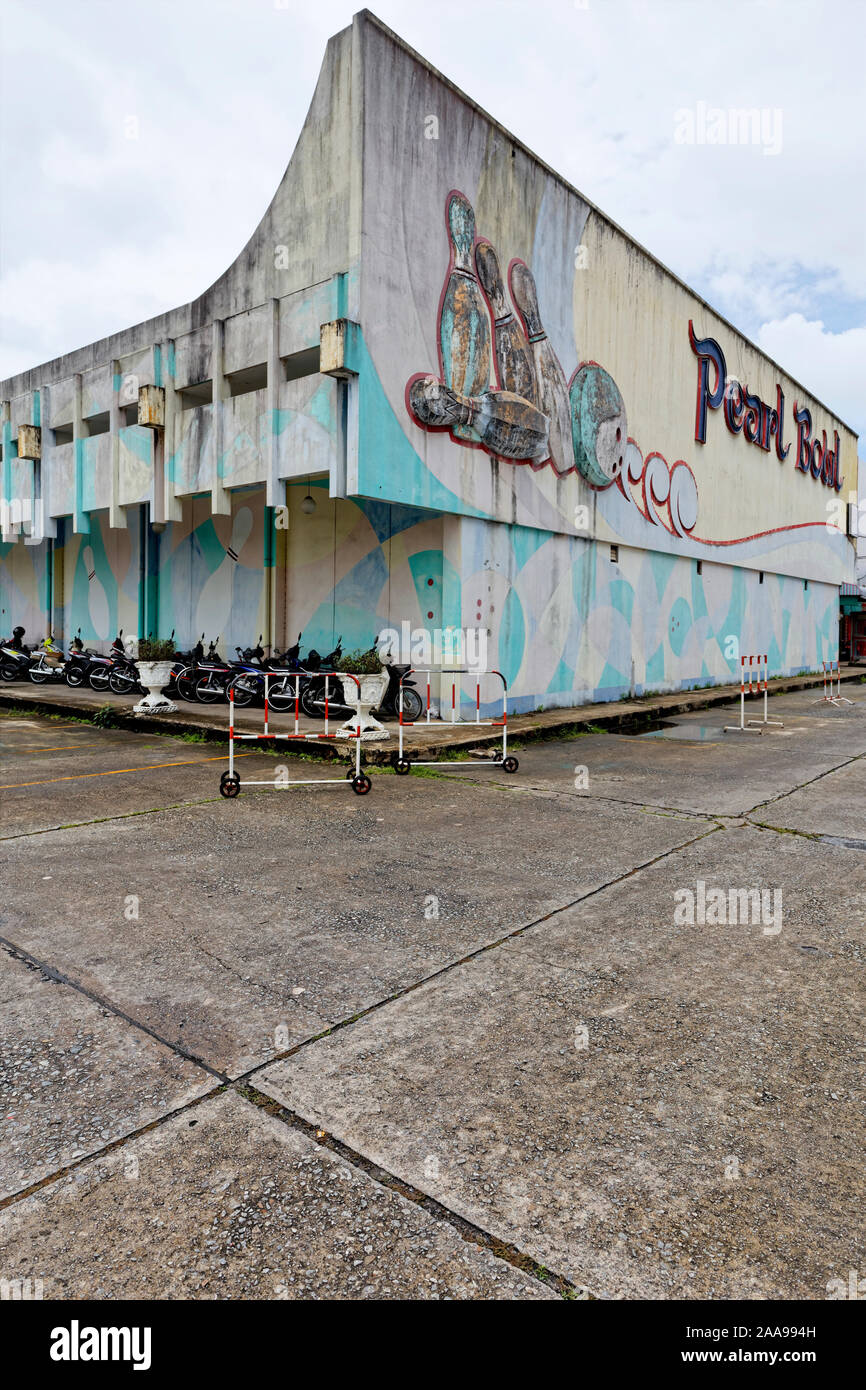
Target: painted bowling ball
<point>598,425</point>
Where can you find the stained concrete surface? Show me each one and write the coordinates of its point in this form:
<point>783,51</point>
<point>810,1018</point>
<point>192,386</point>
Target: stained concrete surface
<point>701,778</point>
<point>704,1142</point>
<point>702,1139</point>
<point>74,1077</point>
<point>227,1202</point>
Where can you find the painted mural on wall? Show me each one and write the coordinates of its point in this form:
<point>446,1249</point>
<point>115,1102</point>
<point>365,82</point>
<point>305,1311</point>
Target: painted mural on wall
<point>530,414</point>
<point>569,626</point>
<point>98,583</point>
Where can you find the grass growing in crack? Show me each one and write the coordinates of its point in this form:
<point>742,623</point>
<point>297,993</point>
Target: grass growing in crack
<point>105,717</point>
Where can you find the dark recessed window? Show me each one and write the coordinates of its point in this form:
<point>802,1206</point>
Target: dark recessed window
<point>199,394</point>
<point>300,364</point>
<point>761,577</point>
<point>700,566</point>
<point>248,379</point>
<point>614,554</point>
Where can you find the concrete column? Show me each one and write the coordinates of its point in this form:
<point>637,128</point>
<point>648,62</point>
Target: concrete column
<point>9,534</point>
<point>272,497</point>
<point>44,525</point>
<point>80,518</point>
<point>220,500</point>
<point>164,448</point>
<point>116,514</point>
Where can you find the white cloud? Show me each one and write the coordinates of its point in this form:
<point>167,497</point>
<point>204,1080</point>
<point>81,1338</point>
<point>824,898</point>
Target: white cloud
<point>832,365</point>
<point>117,230</point>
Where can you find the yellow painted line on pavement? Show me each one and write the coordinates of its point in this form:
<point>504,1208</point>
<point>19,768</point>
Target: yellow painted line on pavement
<point>47,747</point>
<point>148,767</point>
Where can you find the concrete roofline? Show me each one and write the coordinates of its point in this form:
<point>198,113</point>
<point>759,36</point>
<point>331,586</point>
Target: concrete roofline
<point>368,16</point>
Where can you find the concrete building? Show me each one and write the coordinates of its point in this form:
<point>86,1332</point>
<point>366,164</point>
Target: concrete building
<point>508,415</point>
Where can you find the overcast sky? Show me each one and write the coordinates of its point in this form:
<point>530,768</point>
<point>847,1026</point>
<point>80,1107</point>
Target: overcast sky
<point>141,145</point>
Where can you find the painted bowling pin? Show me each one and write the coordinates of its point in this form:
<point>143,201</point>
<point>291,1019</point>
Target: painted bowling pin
<point>214,608</point>
<point>97,599</point>
<point>464,328</point>
<point>552,386</point>
<point>512,354</point>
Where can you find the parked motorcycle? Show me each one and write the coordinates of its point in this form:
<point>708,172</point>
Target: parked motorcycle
<point>102,667</point>
<point>48,662</point>
<point>293,676</point>
<point>14,656</point>
<point>215,676</point>
<point>391,701</point>
<point>184,671</point>
<point>123,677</point>
<point>320,696</point>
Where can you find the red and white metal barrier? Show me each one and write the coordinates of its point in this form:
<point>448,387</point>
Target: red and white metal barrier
<point>403,764</point>
<point>757,670</point>
<point>832,677</point>
<point>230,782</point>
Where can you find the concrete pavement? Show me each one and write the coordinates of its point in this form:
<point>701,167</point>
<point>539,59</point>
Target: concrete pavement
<point>458,1020</point>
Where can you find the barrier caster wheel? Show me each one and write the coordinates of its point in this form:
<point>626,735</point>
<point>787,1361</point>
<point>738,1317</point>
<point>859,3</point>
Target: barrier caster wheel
<point>401,766</point>
<point>361,785</point>
<point>510,765</point>
<point>230,785</point>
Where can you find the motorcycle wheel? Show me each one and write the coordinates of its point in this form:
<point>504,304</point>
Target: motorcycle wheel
<point>184,683</point>
<point>8,671</point>
<point>99,678</point>
<point>122,683</point>
<point>309,702</point>
<point>245,691</point>
<point>74,675</point>
<point>37,675</point>
<point>411,701</point>
<point>282,698</point>
<point>207,693</point>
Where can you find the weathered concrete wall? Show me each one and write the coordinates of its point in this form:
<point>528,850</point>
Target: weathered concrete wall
<point>401,210</point>
<point>602,299</point>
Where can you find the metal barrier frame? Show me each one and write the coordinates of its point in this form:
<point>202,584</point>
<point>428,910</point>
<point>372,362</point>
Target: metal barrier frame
<point>832,668</point>
<point>402,764</point>
<point>755,665</point>
<point>357,779</point>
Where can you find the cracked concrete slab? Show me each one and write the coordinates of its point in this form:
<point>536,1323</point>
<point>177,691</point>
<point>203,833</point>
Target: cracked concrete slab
<point>226,1201</point>
<point>729,776</point>
<point>653,1110</point>
<point>74,1077</point>
<point>832,805</point>
<point>288,911</point>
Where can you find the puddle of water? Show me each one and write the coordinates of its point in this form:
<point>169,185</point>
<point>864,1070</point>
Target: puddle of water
<point>693,733</point>
<point>666,728</point>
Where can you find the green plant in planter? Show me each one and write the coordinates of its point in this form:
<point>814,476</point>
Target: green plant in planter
<point>361,663</point>
<point>155,649</point>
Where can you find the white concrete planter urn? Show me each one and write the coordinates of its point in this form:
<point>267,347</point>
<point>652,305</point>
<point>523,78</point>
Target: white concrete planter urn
<point>372,689</point>
<point>153,675</point>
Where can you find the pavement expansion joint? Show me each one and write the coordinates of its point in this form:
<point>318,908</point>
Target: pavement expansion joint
<point>18,953</point>
<point>467,1230</point>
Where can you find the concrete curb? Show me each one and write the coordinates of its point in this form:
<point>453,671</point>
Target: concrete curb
<point>523,728</point>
